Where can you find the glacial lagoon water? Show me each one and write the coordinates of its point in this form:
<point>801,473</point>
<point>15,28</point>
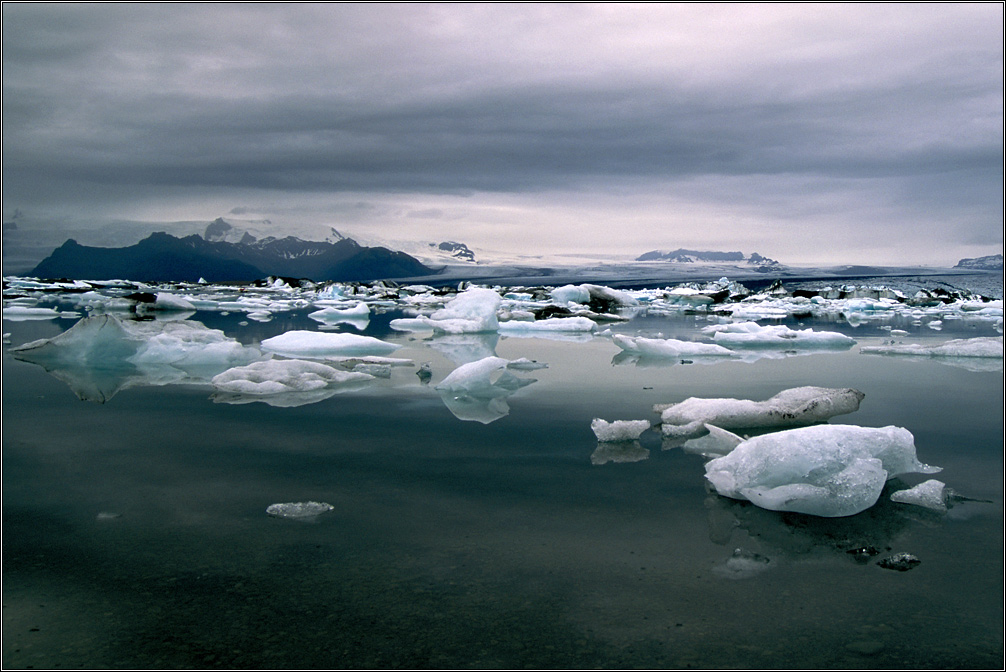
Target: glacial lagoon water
<point>135,531</point>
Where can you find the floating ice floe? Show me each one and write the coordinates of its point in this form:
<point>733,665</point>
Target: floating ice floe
<point>282,376</point>
<point>668,348</point>
<point>17,313</point>
<point>552,324</point>
<point>478,390</point>
<point>359,313</point>
<point>298,509</point>
<point>931,494</point>
<point>826,470</point>
<point>790,408</point>
<point>753,335</point>
<point>618,430</point>
<point>319,345</point>
<point>982,346</point>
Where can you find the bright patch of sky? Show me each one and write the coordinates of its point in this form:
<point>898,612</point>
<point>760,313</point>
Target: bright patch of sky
<point>847,133</point>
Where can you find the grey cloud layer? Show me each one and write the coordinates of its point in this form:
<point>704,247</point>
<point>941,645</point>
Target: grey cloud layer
<point>440,98</point>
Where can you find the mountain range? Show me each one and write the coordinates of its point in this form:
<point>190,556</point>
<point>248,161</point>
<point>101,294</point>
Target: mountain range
<point>161,257</point>
<point>762,264</point>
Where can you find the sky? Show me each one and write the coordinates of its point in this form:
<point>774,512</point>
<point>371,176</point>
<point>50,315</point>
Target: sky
<point>810,133</point>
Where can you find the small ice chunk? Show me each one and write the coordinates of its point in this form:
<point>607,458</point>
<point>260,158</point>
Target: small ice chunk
<point>320,345</point>
<point>793,407</point>
<point>298,509</point>
<point>618,430</point>
<point>901,562</point>
<point>930,494</point>
<point>165,301</point>
<point>825,470</point>
<point>358,314</point>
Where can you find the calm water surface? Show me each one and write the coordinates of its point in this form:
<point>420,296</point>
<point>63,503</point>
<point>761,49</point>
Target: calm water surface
<point>135,532</point>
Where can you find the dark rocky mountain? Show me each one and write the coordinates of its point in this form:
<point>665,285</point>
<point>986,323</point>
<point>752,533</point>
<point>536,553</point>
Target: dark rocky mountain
<point>690,256</point>
<point>456,250</point>
<point>163,257</point>
<point>993,262</point>
<point>684,256</point>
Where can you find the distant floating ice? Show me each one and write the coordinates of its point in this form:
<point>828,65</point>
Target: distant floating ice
<point>17,313</point>
<point>826,470</point>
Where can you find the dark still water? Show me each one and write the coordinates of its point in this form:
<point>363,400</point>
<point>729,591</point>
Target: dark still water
<point>135,532</point>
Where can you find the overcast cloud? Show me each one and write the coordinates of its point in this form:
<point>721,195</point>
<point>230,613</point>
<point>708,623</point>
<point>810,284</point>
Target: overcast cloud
<point>808,133</point>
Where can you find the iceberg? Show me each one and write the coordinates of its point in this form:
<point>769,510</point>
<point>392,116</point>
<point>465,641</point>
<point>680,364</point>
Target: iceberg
<point>825,470</point>
<point>668,348</point>
<point>790,408</point>
<point>473,311</point>
<point>478,390</point>
<point>618,430</point>
<point>281,376</point>
<point>101,355</point>
<point>318,345</point>
<point>753,335</point>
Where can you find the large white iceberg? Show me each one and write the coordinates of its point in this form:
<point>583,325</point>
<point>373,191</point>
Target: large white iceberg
<point>753,335</point>
<point>319,345</point>
<point>826,470</point>
<point>790,408</point>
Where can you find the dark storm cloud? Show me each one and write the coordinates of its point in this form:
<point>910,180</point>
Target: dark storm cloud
<point>104,101</point>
